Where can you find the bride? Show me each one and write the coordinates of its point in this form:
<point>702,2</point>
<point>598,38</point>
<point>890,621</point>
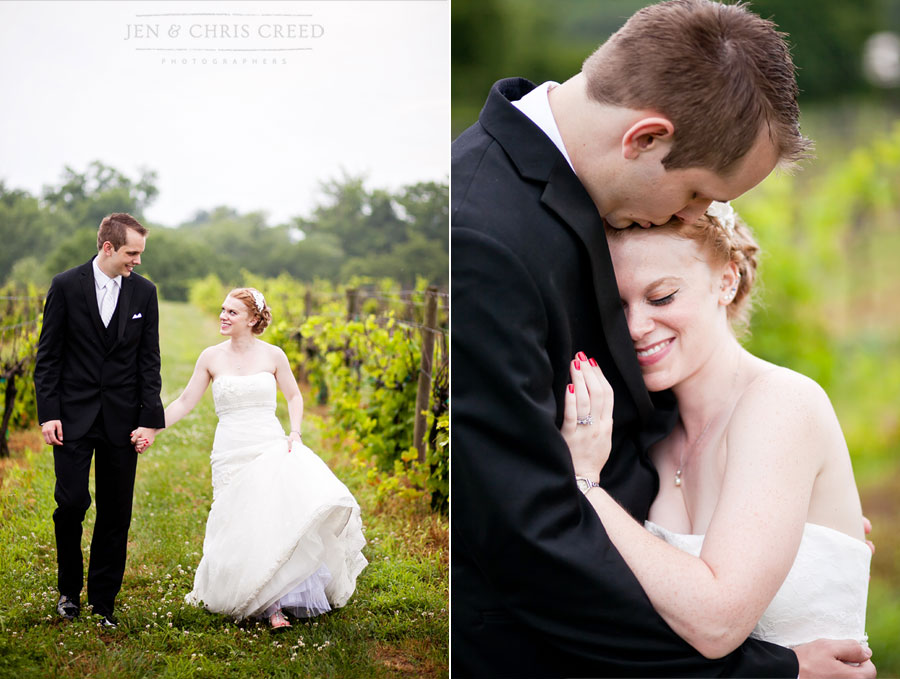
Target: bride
<point>757,526</point>
<point>283,533</point>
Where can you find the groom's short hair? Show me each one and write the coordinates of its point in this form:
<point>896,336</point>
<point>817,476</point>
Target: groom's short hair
<point>114,228</point>
<point>718,72</point>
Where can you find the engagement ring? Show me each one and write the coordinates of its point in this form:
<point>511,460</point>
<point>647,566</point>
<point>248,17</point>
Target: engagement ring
<point>587,419</point>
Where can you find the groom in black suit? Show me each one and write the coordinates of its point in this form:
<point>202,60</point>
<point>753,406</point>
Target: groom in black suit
<point>691,101</point>
<point>97,380</point>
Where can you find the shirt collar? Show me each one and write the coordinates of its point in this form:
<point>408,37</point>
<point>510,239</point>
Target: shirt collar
<point>536,105</point>
<point>101,279</point>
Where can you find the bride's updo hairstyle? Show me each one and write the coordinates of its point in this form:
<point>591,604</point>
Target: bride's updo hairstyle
<point>726,238</point>
<point>256,306</point>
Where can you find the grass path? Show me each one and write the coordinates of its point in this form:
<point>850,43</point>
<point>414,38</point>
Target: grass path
<point>395,625</point>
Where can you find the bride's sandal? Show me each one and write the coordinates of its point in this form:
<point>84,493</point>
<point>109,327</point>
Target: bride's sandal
<point>278,622</point>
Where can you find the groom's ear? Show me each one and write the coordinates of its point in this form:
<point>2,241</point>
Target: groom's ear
<point>646,135</point>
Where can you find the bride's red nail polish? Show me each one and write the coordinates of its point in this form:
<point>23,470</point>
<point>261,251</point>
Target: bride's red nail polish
<point>582,355</point>
<point>571,388</point>
<point>577,364</point>
<point>593,362</point>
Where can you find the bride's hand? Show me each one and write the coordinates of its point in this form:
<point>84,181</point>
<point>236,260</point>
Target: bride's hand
<point>588,398</point>
<point>293,438</point>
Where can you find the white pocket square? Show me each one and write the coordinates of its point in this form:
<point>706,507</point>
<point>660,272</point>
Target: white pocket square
<point>137,315</point>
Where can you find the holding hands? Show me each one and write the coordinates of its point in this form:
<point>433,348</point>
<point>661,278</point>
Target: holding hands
<point>587,422</point>
<point>143,438</point>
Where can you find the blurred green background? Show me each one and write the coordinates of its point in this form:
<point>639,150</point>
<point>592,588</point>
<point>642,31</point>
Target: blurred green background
<point>829,302</point>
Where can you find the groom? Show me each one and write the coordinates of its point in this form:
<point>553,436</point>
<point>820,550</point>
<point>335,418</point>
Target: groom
<point>691,101</point>
<point>96,379</point>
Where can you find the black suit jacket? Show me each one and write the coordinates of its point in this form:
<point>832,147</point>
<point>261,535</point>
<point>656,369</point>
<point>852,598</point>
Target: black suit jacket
<point>537,589</point>
<point>78,374</point>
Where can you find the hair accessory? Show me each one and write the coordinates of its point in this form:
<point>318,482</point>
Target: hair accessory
<point>724,214</point>
<point>259,300</point>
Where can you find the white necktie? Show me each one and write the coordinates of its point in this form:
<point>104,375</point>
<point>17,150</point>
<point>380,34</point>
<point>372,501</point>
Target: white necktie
<point>108,303</point>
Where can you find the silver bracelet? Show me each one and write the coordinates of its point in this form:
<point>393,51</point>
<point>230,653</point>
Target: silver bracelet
<point>294,431</point>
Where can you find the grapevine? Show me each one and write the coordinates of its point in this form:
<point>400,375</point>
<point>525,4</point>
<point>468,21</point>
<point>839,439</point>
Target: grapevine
<point>20,327</point>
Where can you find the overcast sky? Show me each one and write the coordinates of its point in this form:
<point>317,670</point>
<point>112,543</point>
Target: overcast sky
<point>355,85</point>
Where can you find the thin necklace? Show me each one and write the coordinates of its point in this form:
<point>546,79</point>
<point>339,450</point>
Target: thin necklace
<point>693,447</point>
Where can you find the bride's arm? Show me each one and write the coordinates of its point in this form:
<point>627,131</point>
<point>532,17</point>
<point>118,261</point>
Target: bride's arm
<point>192,393</point>
<point>288,385</point>
<point>774,454</point>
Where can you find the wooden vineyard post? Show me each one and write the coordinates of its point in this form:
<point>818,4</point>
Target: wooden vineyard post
<point>424,390</point>
<point>352,303</point>
<point>9,402</point>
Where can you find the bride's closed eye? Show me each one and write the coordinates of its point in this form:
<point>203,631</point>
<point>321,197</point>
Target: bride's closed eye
<point>662,301</point>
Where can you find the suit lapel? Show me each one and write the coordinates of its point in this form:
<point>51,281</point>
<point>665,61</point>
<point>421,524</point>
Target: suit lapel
<point>537,158</point>
<point>89,288</point>
<point>567,197</point>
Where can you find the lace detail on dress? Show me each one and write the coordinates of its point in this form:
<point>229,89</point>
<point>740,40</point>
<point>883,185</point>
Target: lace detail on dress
<point>244,392</point>
<point>823,595</point>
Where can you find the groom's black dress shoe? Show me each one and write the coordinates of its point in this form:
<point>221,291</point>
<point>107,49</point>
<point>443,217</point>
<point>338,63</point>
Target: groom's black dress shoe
<point>68,607</point>
<point>107,620</point>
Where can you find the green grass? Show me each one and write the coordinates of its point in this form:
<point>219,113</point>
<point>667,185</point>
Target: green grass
<point>395,625</point>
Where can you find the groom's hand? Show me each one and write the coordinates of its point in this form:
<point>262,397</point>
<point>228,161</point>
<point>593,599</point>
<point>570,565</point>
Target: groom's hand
<point>829,658</point>
<point>52,431</point>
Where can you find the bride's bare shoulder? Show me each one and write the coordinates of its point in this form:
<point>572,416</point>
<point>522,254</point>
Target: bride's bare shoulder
<point>776,386</point>
<point>211,355</point>
<point>271,351</point>
<point>785,403</point>
<point>214,350</point>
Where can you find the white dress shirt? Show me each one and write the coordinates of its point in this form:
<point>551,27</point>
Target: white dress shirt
<point>536,105</point>
<point>104,285</point>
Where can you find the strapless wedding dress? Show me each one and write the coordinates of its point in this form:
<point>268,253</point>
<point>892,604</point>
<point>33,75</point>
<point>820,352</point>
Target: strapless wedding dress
<point>823,595</point>
<point>282,527</point>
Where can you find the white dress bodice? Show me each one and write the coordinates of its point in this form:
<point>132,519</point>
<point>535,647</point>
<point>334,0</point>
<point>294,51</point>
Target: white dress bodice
<point>823,595</point>
<point>244,395</point>
<point>248,425</point>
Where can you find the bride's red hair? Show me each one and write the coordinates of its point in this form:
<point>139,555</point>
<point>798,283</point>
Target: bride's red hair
<point>249,296</point>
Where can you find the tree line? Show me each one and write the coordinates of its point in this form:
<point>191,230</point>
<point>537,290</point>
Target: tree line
<point>353,231</point>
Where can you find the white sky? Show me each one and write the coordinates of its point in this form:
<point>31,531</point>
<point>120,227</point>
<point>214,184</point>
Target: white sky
<point>369,95</point>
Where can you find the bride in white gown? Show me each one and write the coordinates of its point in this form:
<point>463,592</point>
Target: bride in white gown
<point>757,528</point>
<point>283,533</point>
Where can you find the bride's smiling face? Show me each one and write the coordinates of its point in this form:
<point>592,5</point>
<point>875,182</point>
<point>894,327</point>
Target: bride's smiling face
<point>234,317</point>
<point>672,296</point>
